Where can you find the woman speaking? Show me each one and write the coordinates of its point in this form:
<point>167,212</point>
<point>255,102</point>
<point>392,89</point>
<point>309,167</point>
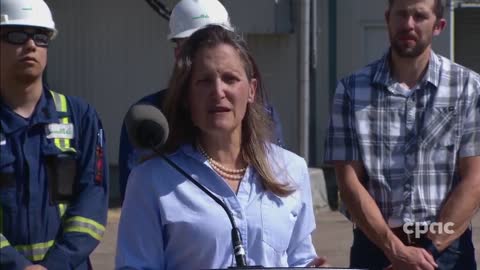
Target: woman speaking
<point>220,135</point>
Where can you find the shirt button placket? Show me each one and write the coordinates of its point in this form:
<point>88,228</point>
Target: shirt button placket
<point>241,223</point>
<point>409,157</point>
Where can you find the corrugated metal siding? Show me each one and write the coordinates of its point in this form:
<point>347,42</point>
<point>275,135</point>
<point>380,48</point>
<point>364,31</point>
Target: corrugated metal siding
<point>113,52</point>
<point>467,37</point>
<point>276,56</point>
<point>110,52</point>
<point>322,87</point>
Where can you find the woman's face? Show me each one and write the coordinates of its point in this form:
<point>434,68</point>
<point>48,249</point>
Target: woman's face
<point>219,90</point>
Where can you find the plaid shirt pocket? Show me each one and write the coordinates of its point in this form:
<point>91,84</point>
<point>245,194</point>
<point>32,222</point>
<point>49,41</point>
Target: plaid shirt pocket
<point>441,128</point>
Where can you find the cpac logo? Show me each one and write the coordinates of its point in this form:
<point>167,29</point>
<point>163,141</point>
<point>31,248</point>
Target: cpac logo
<point>434,227</point>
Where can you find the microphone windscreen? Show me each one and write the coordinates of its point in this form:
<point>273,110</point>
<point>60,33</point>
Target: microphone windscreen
<point>147,127</point>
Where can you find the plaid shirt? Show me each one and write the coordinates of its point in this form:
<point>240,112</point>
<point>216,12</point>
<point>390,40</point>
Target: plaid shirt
<point>409,142</point>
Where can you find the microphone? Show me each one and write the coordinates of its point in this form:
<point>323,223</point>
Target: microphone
<point>147,128</point>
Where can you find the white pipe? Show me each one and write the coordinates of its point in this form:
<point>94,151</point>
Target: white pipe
<point>452,29</point>
<point>304,79</point>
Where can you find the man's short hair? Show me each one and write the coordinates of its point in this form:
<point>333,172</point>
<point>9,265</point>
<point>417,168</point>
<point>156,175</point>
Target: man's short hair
<point>438,9</point>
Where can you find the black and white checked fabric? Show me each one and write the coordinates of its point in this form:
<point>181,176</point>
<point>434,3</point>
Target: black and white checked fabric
<point>409,141</point>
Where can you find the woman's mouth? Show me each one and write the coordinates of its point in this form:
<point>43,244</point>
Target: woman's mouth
<point>218,109</point>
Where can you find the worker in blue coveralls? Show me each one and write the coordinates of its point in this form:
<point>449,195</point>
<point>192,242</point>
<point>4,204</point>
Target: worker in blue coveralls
<point>53,188</point>
<point>187,17</point>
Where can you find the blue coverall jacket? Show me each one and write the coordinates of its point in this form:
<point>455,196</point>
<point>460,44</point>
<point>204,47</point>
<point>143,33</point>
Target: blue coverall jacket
<point>34,228</point>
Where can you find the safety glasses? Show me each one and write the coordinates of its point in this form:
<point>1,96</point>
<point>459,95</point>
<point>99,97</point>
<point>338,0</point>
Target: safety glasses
<point>19,37</point>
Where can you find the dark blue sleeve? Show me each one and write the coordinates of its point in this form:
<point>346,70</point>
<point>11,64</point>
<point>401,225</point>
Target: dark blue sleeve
<point>278,135</point>
<point>125,159</point>
<point>9,256</point>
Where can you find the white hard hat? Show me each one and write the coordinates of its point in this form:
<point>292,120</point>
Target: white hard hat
<point>189,16</point>
<point>33,13</point>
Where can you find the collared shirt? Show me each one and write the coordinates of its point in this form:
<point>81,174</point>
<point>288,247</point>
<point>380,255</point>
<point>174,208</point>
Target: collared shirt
<point>129,156</point>
<point>169,223</point>
<point>409,142</point>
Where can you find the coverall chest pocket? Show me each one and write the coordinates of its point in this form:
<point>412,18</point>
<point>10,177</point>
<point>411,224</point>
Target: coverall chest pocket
<point>278,221</point>
<point>441,128</point>
<point>8,194</point>
<point>62,173</point>
<point>61,170</point>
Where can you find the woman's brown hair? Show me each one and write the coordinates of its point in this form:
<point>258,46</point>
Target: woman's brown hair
<point>256,124</point>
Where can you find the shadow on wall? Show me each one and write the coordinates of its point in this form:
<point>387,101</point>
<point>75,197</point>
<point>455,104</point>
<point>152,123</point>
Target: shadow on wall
<point>332,188</point>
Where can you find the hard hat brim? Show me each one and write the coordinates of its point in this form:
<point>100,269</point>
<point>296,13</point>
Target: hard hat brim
<point>24,23</point>
<point>189,32</point>
<point>184,34</point>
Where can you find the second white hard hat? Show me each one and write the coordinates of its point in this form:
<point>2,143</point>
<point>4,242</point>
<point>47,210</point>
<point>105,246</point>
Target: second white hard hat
<point>34,13</point>
<point>189,16</point>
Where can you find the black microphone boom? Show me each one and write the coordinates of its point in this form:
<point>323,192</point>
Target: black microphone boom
<point>147,128</point>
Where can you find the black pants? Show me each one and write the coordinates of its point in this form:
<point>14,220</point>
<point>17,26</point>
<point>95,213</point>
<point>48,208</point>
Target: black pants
<point>460,255</point>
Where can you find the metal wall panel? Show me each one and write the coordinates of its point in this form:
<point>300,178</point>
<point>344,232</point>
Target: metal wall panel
<point>261,16</point>
<point>467,37</point>
<point>110,52</point>
<point>321,96</point>
<point>113,52</point>
<point>276,56</point>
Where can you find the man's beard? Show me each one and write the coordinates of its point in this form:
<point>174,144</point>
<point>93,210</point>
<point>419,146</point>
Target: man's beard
<point>409,52</point>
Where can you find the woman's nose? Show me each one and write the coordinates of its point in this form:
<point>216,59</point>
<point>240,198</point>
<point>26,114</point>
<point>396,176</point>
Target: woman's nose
<point>219,90</point>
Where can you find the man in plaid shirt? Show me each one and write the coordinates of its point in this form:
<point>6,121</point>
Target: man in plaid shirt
<point>404,137</point>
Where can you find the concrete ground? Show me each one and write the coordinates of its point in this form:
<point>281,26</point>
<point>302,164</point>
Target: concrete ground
<point>332,239</point>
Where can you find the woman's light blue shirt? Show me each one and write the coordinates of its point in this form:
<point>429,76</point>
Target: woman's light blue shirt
<point>169,223</point>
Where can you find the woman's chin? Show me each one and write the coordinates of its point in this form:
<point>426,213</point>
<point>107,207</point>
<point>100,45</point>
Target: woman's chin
<point>219,128</point>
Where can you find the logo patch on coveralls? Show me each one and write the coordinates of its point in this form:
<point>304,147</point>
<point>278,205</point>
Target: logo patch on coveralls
<point>99,158</point>
<point>59,131</point>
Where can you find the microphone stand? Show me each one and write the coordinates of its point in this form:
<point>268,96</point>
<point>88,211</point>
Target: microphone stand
<point>237,243</point>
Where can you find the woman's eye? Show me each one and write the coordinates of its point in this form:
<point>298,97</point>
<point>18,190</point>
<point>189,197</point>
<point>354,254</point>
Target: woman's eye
<point>230,79</point>
<point>203,80</point>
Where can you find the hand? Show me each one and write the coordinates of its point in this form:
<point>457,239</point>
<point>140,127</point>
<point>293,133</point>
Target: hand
<point>318,261</point>
<point>35,267</point>
<point>412,258</point>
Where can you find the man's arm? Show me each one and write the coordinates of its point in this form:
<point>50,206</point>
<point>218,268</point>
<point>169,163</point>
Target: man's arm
<point>461,205</point>
<point>464,200</point>
<point>9,257</point>
<point>367,216</point>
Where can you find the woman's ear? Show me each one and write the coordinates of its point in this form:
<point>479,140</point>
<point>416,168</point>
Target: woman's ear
<point>252,91</point>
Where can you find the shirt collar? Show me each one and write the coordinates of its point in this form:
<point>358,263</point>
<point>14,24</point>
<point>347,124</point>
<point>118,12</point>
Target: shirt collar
<point>248,179</point>
<point>44,112</point>
<point>433,72</point>
<point>382,73</point>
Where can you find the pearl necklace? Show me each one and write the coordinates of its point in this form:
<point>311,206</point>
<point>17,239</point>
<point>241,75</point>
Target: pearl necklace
<point>227,173</point>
